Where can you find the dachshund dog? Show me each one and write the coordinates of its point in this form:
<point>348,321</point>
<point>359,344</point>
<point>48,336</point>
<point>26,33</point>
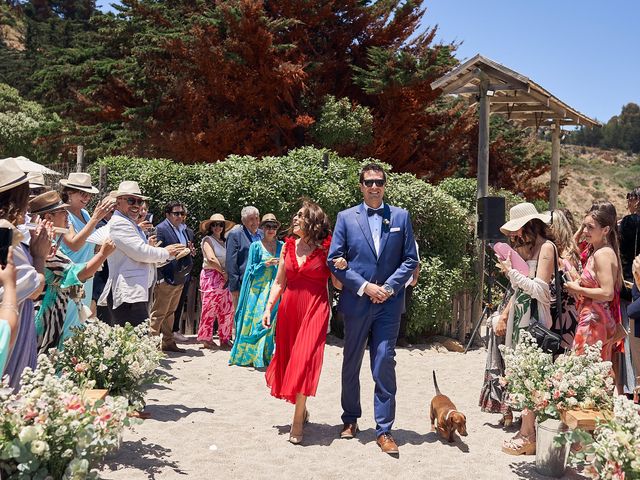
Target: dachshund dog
<point>449,419</point>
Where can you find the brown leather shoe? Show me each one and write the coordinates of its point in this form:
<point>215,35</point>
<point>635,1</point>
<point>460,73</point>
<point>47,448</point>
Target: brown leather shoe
<point>349,430</point>
<point>387,444</point>
<point>173,348</point>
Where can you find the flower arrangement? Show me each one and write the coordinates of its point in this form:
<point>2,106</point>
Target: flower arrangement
<point>613,451</point>
<point>122,360</point>
<point>535,382</point>
<point>48,431</point>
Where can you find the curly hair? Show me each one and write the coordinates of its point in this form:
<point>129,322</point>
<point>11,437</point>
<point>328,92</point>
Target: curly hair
<point>315,223</point>
<point>14,203</point>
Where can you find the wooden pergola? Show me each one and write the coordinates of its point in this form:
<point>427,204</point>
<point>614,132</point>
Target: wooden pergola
<point>500,90</point>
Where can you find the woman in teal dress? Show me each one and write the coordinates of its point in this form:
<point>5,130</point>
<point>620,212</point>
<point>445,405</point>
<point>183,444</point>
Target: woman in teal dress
<point>254,343</point>
<point>77,192</point>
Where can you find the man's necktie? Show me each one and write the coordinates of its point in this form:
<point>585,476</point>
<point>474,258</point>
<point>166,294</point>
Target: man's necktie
<point>374,211</point>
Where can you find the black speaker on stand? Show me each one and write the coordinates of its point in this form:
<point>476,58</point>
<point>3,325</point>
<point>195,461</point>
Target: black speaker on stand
<point>491,216</point>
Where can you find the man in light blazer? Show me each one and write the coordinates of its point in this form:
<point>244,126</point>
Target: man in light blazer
<point>377,241</point>
<point>132,265</point>
<point>239,239</point>
<point>172,276</point>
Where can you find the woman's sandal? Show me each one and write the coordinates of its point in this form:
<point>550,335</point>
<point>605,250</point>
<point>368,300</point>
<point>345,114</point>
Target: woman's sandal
<point>520,445</point>
<point>507,420</point>
<point>297,439</point>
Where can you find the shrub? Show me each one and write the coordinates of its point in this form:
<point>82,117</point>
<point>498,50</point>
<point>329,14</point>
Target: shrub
<point>274,184</point>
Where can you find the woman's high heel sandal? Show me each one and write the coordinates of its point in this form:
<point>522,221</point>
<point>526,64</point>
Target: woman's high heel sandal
<point>520,445</point>
<point>296,439</point>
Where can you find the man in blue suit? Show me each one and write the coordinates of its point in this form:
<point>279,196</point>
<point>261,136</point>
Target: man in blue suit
<point>172,276</point>
<point>377,241</point>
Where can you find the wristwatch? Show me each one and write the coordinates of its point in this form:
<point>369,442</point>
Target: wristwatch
<point>388,289</point>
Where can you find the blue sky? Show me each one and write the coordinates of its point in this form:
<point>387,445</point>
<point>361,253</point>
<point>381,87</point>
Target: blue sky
<point>585,52</point>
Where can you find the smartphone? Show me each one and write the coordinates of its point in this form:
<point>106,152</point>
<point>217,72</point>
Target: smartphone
<point>149,217</point>
<point>6,238</point>
<point>566,277</point>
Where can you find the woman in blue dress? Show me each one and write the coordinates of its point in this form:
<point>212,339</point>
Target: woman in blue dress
<point>254,343</point>
<point>77,191</point>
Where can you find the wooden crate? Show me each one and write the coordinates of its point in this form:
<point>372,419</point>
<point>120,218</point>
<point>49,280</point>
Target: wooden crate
<point>583,419</point>
<point>94,395</point>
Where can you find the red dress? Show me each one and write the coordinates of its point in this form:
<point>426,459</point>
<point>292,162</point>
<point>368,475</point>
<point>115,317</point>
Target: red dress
<point>301,325</point>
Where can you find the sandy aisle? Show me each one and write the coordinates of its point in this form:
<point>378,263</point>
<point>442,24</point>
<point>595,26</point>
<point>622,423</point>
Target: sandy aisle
<point>211,404</point>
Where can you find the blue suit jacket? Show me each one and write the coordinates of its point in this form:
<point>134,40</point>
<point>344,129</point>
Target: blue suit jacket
<point>176,272</point>
<point>394,265</point>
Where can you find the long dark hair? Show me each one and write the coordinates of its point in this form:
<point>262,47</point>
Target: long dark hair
<point>315,223</point>
<point>605,215</point>
<point>14,202</point>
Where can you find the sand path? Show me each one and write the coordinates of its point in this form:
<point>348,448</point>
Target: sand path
<point>219,422</point>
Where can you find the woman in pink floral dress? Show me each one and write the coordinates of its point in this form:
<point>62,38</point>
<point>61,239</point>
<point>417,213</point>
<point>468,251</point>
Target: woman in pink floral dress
<point>216,298</point>
<point>598,287</point>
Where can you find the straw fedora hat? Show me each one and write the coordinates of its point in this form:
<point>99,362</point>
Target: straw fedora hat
<point>11,175</point>
<point>520,214</point>
<point>216,217</point>
<point>79,181</point>
<point>45,203</point>
<point>269,217</point>
<point>36,180</point>
<point>128,188</point>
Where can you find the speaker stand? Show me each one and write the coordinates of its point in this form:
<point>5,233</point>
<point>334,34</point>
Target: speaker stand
<point>490,274</point>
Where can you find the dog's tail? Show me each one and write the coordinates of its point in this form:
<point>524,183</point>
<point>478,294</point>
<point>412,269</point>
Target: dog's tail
<point>435,383</point>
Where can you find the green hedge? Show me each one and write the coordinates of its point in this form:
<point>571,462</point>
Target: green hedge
<point>274,184</point>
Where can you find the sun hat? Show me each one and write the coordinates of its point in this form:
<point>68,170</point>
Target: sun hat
<point>520,214</point>
<point>79,181</point>
<point>128,188</point>
<point>36,180</point>
<point>46,202</point>
<point>269,217</point>
<point>11,175</point>
<point>216,217</point>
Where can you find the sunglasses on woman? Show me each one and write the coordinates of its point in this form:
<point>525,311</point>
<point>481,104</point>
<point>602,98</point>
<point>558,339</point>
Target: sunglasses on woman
<point>134,201</point>
<point>377,182</point>
<point>217,224</point>
<point>270,226</point>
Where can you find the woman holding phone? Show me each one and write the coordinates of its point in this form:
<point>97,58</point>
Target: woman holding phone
<point>254,344</point>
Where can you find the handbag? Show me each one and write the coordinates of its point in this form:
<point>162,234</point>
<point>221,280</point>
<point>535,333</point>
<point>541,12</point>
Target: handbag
<point>547,340</point>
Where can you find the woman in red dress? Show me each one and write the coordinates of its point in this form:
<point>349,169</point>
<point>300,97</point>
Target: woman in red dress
<point>301,323</point>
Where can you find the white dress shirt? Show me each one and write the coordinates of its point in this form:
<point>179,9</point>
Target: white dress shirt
<point>375,226</point>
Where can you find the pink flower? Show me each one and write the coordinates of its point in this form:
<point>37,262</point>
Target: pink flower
<point>556,394</point>
<point>74,403</point>
<point>30,414</point>
<point>104,415</point>
<point>81,367</point>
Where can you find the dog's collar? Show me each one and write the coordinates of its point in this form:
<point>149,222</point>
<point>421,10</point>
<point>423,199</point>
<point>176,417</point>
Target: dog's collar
<point>446,418</point>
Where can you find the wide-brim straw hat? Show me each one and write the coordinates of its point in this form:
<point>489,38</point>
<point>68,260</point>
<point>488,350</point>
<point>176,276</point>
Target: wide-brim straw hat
<point>45,203</point>
<point>520,214</point>
<point>269,217</point>
<point>11,175</point>
<point>128,188</point>
<point>36,180</point>
<point>216,217</point>
<point>79,181</point>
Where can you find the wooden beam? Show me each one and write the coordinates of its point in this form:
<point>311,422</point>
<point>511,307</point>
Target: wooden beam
<point>476,88</point>
<point>505,108</point>
<point>460,82</point>
<point>554,187</point>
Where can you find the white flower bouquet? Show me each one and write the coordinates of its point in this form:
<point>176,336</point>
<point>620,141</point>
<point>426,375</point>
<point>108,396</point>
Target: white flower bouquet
<point>613,451</point>
<point>122,360</point>
<point>535,382</point>
<point>48,432</point>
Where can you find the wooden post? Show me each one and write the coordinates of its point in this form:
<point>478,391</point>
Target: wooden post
<point>102,181</point>
<point>80,159</point>
<point>554,187</point>
<point>483,191</point>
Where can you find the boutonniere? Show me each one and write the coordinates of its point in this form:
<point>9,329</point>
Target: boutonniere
<point>386,223</point>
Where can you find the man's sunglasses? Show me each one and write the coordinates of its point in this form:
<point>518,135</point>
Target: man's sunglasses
<point>376,182</point>
<point>179,214</point>
<point>134,201</point>
<point>270,226</point>
<point>217,224</point>
<point>632,196</point>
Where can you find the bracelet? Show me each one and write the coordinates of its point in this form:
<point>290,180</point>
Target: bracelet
<point>12,307</point>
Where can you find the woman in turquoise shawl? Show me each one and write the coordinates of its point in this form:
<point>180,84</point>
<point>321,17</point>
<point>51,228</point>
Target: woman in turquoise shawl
<point>254,343</point>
